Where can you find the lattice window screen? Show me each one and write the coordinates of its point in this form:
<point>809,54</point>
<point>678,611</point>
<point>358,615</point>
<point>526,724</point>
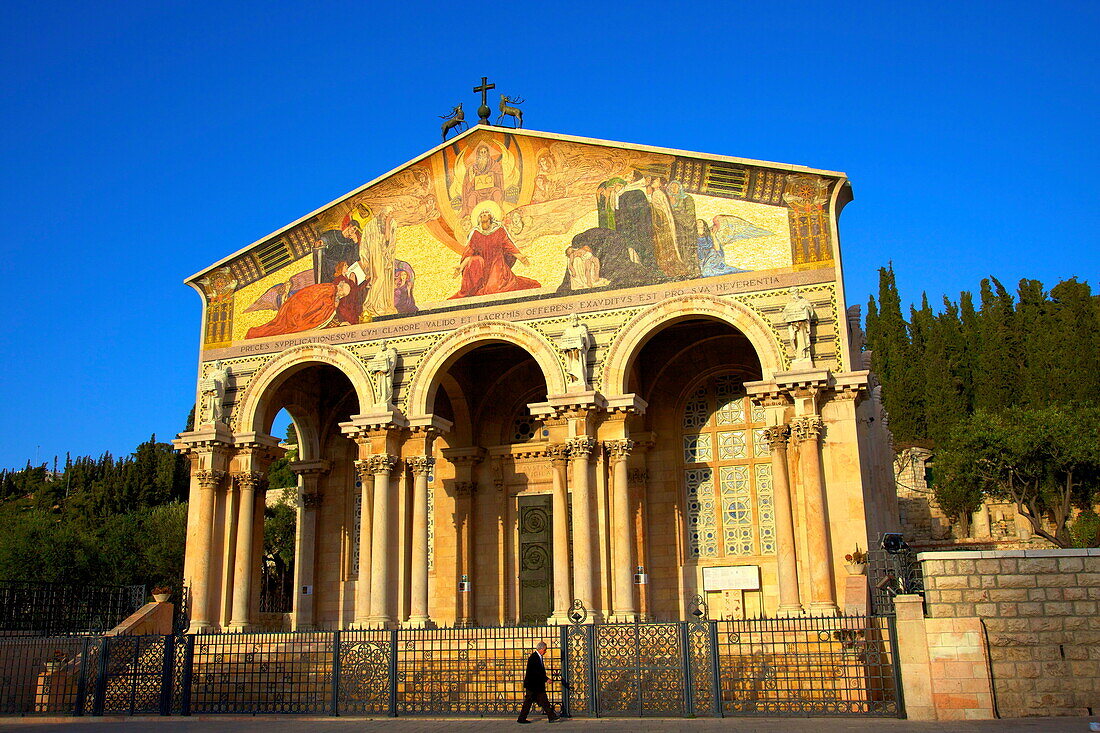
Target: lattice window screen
<point>727,473</point>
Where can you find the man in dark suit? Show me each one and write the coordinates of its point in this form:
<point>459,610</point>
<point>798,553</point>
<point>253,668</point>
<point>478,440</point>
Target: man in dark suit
<point>534,686</point>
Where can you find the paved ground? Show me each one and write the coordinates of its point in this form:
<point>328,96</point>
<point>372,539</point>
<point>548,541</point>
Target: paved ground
<point>288,724</point>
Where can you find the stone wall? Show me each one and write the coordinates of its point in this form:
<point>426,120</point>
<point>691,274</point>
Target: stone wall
<point>1039,613</point>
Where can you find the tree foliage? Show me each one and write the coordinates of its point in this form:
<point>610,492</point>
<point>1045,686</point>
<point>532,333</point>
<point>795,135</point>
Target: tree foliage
<point>1045,460</point>
<point>997,390</point>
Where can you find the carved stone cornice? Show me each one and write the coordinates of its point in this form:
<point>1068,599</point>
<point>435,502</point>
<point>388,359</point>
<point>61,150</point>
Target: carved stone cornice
<point>807,427</point>
<point>420,465</point>
<point>618,450</point>
<point>209,479</point>
<point>464,456</point>
<point>581,447</point>
<point>258,446</point>
<point>207,439</point>
<point>310,468</point>
<point>465,488</point>
<point>380,464</point>
<point>777,436</point>
<point>311,500</point>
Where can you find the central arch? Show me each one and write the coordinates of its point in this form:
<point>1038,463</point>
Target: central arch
<point>632,338</point>
<point>425,382</point>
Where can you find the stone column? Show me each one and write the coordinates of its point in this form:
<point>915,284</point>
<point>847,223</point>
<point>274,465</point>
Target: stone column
<point>380,465</point>
<point>580,451</point>
<point>622,534</point>
<point>201,620</point>
<point>786,558</point>
<point>807,430</point>
<point>419,618</point>
<point>464,509</point>
<point>244,565</point>
<point>366,522</point>
<point>305,540</point>
<point>559,510</point>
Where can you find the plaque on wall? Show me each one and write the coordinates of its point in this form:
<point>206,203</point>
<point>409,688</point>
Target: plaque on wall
<point>731,577</point>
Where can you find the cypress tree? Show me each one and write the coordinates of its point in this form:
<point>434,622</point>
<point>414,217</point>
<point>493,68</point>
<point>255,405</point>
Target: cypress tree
<point>1074,343</point>
<point>998,373</point>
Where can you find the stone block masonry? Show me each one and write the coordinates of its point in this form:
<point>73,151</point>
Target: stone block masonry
<point>1039,614</point>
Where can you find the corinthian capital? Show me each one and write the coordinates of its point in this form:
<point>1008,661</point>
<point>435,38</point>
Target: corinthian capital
<point>558,453</point>
<point>420,465</point>
<point>581,448</point>
<point>380,463</point>
<point>249,480</point>
<point>209,479</point>
<point>807,427</point>
<point>618,450</point>
<point>777,436</point>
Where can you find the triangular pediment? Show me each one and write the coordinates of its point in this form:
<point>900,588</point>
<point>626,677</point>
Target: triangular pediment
<point>497,214</point>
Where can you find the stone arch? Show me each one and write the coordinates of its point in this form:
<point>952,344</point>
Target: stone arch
<point>455,344</point>
<point>287,363</point>
<point>636,332</point>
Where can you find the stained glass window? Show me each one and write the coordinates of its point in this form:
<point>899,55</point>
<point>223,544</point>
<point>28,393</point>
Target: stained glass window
<point>727,473</point>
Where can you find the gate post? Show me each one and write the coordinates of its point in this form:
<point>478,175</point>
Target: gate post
<point>100,690</point>
<point>590,632</point>
<point>685,656</point>
<point>715,668</point>
<point>563,641</point>
<point>167,674</point>
<point>393,673</point>
<point>335,711</point>
<point>185,681</point>
<point>82,681</point>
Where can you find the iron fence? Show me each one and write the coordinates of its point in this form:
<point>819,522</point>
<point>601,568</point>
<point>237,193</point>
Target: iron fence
<point>801,666</point>
<point>891,573</point>
<point>49,609</point>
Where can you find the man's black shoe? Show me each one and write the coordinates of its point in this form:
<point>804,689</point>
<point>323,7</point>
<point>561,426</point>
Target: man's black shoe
<point>523,720</point>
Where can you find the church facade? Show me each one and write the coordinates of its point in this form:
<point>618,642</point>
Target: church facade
<point>527,370</point>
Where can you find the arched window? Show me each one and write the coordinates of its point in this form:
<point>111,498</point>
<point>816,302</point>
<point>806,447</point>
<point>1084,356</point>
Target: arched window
<point>727,473</point>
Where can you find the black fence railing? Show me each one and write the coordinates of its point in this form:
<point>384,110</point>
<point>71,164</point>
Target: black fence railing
<point>842,665</point>
<point>891,574</point>
<point>48,609</point>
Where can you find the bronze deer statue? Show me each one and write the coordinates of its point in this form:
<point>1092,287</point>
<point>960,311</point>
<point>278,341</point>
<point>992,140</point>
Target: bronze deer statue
<point>514,112</point>
<point>454,119</point>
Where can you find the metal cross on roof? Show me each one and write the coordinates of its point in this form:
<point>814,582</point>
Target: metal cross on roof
<point>483,111</point>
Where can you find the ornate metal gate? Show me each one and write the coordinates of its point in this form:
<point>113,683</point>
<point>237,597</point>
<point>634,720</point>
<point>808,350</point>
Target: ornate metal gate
<point>639,669</point>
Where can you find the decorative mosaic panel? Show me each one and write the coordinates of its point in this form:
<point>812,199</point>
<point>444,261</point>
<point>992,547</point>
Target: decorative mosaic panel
<point>500,215</point>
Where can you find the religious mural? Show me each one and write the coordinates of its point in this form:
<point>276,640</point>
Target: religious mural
<point>498,215</point>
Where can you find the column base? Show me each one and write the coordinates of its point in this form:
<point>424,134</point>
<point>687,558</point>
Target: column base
<point>559,619</point>
<point>380,622</point>
<point>238,627</point>
<point>360,624</point>
<point>419,622</point>
<point>465,623</point>
<point>201,627</point>
<point>624,617</point>
<point>823,609</point>
<point>788,611</point>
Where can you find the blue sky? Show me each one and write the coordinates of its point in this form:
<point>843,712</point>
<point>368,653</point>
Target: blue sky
<point>141,142</point>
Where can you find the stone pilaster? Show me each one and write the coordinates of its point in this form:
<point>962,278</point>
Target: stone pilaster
<point>305,540</point>
<point>366,540</point>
